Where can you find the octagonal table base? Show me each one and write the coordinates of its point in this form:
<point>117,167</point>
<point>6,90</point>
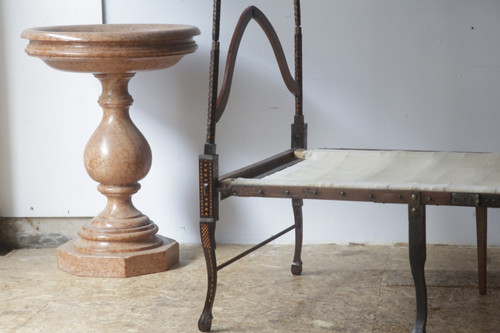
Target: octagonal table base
<point>118,264</point>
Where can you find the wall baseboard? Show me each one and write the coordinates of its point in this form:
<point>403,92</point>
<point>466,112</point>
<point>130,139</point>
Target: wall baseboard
<point>38,232</point>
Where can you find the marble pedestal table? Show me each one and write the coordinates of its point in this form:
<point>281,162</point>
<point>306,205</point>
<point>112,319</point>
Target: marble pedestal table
<point>120,241</point>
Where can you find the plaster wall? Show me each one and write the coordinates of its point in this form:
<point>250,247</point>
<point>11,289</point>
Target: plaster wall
<point>386,74</point>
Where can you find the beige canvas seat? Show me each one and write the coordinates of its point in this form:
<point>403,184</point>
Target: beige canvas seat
<point>386,170</point>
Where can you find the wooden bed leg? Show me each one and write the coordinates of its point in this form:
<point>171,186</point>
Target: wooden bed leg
<point>481,227</point>
<point>297,212</point>
<point>207,230</point>
<point>418,255</point>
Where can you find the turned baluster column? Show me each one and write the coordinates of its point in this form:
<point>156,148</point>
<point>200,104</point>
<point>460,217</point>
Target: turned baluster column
<point>120,241</point>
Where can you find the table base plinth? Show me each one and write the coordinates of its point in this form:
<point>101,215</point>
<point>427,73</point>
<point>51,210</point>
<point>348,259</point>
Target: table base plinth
<point>126,264</point>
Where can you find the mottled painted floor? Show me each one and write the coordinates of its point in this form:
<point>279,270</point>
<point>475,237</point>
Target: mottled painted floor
<point>343,289</point>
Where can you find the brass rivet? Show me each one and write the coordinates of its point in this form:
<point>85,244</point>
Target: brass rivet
<point>429,199</point>
<point>342,193</point>
<point>414,197</point>
<point>413,210</point>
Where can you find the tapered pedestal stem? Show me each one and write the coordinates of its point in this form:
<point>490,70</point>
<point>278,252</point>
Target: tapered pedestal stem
<point>120,241</point>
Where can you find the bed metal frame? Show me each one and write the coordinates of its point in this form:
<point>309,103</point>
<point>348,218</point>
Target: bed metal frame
<point>211,189</point>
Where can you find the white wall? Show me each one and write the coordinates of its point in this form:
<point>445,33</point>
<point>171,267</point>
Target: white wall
<point>384,74</point>
<point>46,116</point>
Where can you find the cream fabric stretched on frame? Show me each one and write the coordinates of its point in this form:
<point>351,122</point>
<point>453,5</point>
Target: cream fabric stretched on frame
<point>391,170</point>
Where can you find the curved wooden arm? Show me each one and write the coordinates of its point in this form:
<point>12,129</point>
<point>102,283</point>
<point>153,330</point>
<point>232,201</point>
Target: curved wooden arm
<point>248,14</point>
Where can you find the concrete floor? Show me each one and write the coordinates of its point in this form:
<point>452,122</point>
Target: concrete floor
<point>343,289</point>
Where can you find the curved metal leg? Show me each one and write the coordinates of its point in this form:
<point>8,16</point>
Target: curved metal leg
<point>297,212</point>
<point>418,255</point>
<point>207,230</point>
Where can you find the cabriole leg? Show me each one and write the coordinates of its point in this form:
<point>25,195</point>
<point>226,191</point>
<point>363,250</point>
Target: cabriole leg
<point>297,212</point>
<point>207,230</point>
<point>418,255</point>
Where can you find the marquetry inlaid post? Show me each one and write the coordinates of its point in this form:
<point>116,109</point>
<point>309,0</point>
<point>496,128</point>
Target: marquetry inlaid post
<point>209,214</point>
